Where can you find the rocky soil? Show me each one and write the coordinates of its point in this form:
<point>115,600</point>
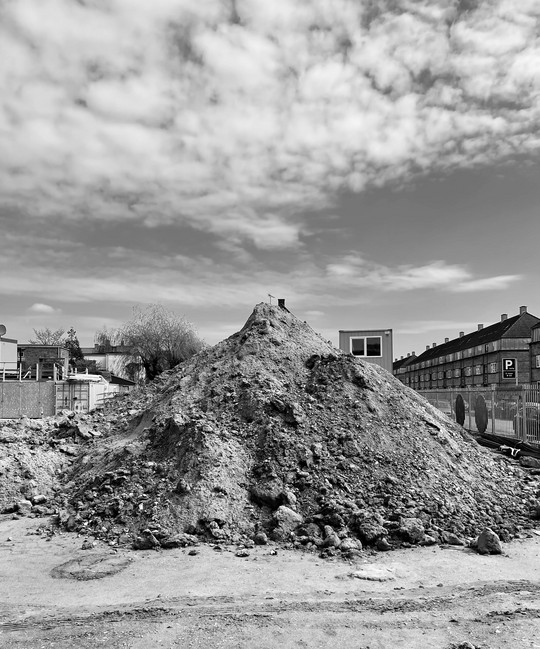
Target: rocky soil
<point>275,434</point>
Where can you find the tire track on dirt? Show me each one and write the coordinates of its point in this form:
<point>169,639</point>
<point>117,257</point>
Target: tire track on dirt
<point>413,601</point>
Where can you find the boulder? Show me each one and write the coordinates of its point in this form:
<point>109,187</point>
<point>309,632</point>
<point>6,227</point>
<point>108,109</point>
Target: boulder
<point>488,542</point>
<point>412,530</point>
<point>285,522</point>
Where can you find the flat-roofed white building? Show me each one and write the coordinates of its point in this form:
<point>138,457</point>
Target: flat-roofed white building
<point>371,345</point>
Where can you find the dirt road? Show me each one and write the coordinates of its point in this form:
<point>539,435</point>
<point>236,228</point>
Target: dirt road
<point>426,597</point>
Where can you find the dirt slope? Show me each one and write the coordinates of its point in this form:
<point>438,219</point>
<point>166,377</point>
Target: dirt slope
<point>275,431</point>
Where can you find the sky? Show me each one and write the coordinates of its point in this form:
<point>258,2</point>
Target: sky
<point>376,163</point>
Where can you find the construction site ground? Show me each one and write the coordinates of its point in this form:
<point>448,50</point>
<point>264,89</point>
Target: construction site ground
<point>55,594</point>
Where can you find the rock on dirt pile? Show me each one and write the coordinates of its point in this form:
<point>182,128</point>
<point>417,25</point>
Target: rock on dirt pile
<point>275,433</point>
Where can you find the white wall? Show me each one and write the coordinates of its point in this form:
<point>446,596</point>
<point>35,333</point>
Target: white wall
<point>8,354</point>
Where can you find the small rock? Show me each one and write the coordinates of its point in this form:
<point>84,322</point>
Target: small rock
<point>260,538</point>
<point>24,507</point>
<point>535,512</point>
<point>530,462</point>
<point>383,545</point>
<point>488,543</point>
<point>452,539</point>
<point>349,544</point>
<point>412,529</point>
<point>146,542</point>
<point>286,521</point>
<point>243,552</point>
<point>87,545</point>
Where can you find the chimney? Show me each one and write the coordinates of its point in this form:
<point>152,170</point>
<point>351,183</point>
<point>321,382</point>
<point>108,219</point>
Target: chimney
<point>281,302</point>
<point>427,347</point>
<point>480,327</point>
<point>446,340</point>
<point>522,310</point>
<point>408,355</point>
<point>504,316</point>
<point>434,344</point>
<point>461,334</point>
<point>413,354</point>
<point>401,358</point>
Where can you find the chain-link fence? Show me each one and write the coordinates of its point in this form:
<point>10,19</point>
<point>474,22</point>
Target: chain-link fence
<point>505,412</point>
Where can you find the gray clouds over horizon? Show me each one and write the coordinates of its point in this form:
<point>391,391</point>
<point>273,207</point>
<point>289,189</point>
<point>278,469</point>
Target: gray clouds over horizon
<point>238,118</point>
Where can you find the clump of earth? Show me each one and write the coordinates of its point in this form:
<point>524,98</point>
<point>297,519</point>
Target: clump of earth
<point>275,434</point>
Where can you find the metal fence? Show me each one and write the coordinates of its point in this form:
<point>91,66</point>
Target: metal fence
<point>505,412</point>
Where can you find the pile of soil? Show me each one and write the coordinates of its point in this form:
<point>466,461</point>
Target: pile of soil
<point>31,463</point>
<point>274,433</point>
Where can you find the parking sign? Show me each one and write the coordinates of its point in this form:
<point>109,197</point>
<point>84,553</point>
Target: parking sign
<point>509,368</point>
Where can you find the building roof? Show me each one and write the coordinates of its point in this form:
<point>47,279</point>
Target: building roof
<point>40,346</point>
<point>518,326</point>
<point>117,380</point>
<point>403,362</point>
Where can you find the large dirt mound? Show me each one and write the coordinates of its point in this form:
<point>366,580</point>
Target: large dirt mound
<point>273,431</point>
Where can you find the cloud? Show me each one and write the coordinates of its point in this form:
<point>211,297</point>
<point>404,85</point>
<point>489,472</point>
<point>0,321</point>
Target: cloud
<point>40,308</point>
<point>496,283</point>
<point>355,270</point>
<point>239,118</point>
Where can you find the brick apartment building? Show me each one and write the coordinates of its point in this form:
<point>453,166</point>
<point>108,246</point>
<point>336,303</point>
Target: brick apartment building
<point>535,354</point>
<point>502,354</point>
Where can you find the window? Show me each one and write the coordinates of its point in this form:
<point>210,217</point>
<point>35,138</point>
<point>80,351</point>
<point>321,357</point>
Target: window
<point>478,369</point>
<point>492,368</point>
<point>468,371</point>
<point>538,360</point>
<point>366,346</point>
<point>448,374</point>
<point>457,372</point>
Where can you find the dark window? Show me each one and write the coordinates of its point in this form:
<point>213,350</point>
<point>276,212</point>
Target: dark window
<point>374,346</point>
<point>358,347</point>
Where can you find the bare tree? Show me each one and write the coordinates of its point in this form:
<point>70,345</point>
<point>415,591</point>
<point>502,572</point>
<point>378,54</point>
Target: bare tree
<point>47,336</point>
<point>158,340</point>
<point>107,339</point>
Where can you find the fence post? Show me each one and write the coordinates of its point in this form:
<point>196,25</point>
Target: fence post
<point>470,406</point>
<point>493,410</point>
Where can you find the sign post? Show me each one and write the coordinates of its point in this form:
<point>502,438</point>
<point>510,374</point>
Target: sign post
<point>510,369</point>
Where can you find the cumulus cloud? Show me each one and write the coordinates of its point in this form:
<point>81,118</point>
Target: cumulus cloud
<point>238,117</point>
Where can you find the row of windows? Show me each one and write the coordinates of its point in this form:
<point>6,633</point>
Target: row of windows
<point>457,356</point>
<point>492,368</point>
